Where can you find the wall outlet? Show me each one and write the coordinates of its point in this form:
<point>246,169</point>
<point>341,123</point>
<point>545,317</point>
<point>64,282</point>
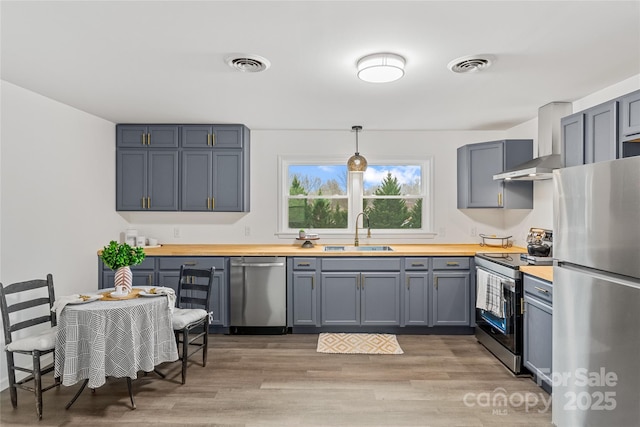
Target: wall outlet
<point>473,232</point>
<point>177,232</point>
<point>247,230</point>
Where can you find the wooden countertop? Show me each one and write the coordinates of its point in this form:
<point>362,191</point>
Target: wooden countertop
<point>318,250</point>
<point>544,272</point>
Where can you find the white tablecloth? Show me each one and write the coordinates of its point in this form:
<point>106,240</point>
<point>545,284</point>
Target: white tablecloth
<point>113,338</point>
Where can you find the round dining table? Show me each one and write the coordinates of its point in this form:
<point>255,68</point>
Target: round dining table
<point>113,338</point>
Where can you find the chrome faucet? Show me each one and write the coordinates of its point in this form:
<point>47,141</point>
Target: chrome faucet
<point>356,241</point>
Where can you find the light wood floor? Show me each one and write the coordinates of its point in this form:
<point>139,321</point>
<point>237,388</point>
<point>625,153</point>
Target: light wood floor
<point>282,381</point>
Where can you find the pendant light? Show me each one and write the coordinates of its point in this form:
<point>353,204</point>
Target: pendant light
<point>357,163</point>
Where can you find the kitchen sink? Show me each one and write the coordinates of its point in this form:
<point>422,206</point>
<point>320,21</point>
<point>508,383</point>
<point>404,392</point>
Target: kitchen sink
<point>358,248</point>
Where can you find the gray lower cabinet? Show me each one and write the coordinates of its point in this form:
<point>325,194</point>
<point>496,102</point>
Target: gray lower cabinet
<point>537,330</point>
<point>477,163</point>
<point>146,179</point>
<point>165,271</point>
<point>143,274</point>
<point>304,291</point>
<point>451,291</point>
<point>416,292</point>
<point>360,291</point>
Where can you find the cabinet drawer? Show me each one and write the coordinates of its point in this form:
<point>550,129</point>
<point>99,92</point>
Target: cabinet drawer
<point>174,263</point>
<point>538,288</point>
<point>147,264</point>
<point>453,263</point>
<point>416,263</point>
<point>304,263</point>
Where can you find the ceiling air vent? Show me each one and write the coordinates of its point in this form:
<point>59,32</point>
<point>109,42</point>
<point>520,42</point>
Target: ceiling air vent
<point>247,63</point>
<point>470,64</point>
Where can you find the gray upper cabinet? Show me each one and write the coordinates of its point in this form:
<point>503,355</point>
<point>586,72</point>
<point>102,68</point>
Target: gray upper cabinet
<point>608,131</point>
<point>630,116</point>
<point>477,163</point>
<point>601,133</point>
<point>137,136</point>
<point>572,129</point>
<point>147,179</point>
<point>219,136</point>
<point>182,168</point>
<point>214,180</point>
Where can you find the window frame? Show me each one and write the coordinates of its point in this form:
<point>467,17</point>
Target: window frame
<point>355,196</point>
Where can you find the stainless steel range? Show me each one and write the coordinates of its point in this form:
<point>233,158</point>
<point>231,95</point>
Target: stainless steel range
<point>499,301</point>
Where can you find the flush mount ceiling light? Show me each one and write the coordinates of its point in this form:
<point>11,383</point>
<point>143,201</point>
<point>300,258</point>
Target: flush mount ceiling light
<point>357,163</point>
<point>471,63</point>
<point>381,67</point>
<point>247,63</point>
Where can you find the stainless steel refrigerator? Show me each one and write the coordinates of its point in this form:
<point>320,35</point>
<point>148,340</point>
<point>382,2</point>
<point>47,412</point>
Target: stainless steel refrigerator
<point>596,295</point>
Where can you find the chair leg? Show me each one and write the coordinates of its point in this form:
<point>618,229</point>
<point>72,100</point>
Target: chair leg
<point>13,391</point>
<point>206,345</point>
<point>133,404</point>
<point>185,353</point>
<point>37,382</point>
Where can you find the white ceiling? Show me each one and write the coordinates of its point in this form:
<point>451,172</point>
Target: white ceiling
<point>163,61</point>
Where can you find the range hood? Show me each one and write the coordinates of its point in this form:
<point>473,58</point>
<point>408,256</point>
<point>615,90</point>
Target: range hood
<point>549,146</point>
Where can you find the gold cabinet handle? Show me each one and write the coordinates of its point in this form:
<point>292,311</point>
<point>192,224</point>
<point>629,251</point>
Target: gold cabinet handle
<point>148,139</point>
<point>499,199</point>
<point>148,202</point>
<point>408,281</point>
<point>213,203</point>
<point>208,139</point>
<point>304,264</point>
<point>417,264</point>
<point>435,282</point>
<point>213,139</point>
<point>544,291</point>
<point>192,263</point>
<point>208,202</point>
<point>362,283</point>
<point>149,280</point>
<point>143,200</point>
<point>313,282</point>
<point>142,136</point>
<point>452,264</point>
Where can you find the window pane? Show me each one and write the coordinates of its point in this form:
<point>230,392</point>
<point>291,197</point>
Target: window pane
<point>394,212</point>
<point>393,180</point>
<point>327,180</point>
<point>318,213</point>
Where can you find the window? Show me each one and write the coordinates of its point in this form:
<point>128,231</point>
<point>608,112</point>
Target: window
<point>321,195</point>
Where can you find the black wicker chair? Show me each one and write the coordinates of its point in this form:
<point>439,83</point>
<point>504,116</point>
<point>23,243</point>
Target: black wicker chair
<point>191,317</point>
<point>35,300</point>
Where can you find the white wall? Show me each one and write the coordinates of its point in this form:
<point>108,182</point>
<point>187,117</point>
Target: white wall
<point>57,192</point>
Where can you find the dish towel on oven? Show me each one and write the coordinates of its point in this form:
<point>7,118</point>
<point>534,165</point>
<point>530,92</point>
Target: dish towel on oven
<point>489,293</point>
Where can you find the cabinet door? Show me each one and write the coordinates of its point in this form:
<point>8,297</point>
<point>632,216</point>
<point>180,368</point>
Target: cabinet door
<point>131,180</point>
<point>450,298</point>
<point>485,160</point>
<point>537,336</point>
<point>601,133</point>
<point>416,299</point>
<point>134,136</point>
<point>227,183</point>
<point>380,298</point>
<point>197,178</point>
<point>630,116</point>
<point>228,136</point>
<point>162,136</point>
<point>572,128</point>
<point>340,293</point>
<point>197,136</point>
<point>304,298</point>
<point>162,190</point>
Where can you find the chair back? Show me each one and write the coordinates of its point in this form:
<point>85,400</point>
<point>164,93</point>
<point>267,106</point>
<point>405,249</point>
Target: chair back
<point>194,287</point>
<point>31,295</point>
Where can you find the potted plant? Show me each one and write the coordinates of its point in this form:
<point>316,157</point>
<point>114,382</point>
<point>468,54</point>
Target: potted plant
<point>301,234</point>
<point>120,257</point>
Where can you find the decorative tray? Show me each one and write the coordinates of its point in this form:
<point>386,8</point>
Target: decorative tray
<point>493,241</point>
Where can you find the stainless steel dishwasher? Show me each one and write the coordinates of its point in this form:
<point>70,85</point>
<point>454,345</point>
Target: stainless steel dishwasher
<point>258,295</point>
